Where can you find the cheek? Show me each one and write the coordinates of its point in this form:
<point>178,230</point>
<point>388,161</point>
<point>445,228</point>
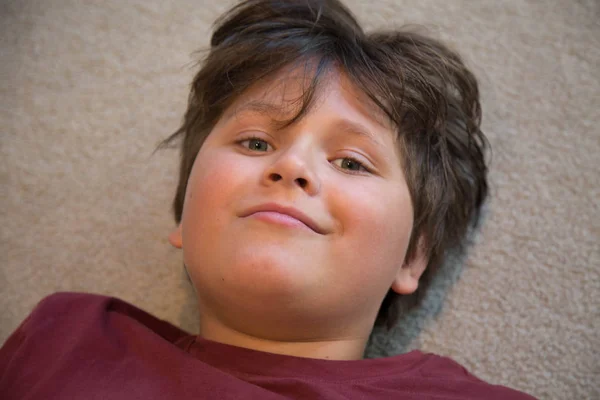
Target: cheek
<point>212,179</point>
<point>379,223</point>
<point>214,184</point>
<point>211,188</point>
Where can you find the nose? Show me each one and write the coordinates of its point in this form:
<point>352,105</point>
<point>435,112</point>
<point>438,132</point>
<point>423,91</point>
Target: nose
<point>294,167</point>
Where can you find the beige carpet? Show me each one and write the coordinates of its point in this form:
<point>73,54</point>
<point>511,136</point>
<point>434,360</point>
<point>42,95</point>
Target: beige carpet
<point>87,89</point>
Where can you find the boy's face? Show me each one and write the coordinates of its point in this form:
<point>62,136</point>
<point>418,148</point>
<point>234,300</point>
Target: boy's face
<point>272,276</point>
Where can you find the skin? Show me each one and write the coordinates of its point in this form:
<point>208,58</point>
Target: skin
<point>289,290</point>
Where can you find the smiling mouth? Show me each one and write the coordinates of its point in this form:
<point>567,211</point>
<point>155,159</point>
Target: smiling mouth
<point>282,215</point>
<point>278,218</point>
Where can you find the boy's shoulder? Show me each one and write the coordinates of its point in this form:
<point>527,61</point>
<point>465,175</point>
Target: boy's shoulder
<point>76,311</point>
<point>62,304</point>
<point>54,309</point>
<point>76,344</point>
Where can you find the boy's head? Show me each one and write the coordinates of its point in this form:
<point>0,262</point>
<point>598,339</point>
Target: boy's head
<point>372,140</point>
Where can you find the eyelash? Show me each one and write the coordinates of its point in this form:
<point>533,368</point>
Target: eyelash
<point>350,171</point>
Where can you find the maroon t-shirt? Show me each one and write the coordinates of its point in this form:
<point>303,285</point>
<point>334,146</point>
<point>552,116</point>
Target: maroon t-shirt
<point>83,346</point>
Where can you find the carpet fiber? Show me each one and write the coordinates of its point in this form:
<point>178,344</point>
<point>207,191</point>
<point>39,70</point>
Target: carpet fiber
<point>87,90</point>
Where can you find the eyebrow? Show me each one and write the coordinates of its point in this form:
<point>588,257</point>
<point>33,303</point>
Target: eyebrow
<point>256,106</point>
<point>343,125</point>
<point>357,129</point>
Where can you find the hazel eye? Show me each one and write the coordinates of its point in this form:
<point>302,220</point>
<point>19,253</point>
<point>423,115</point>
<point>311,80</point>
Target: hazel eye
<point>351,164</point>
<point>255,144</point>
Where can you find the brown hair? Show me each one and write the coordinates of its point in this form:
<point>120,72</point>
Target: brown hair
<point>421,85</point>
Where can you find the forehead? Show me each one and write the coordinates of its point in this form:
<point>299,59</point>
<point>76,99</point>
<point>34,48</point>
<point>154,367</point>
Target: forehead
<point>283,95</point>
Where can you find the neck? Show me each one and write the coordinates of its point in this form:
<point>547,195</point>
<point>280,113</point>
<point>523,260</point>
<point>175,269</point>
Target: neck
<point>344,348</point>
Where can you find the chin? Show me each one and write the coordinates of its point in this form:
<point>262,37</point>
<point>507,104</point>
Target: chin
<point>268,270</point>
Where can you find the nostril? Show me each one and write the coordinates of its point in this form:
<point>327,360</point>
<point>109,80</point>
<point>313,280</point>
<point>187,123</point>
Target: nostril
<point>275,177</point>
<point>302,182</point>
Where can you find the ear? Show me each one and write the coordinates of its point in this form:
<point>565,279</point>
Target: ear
<point>175,237</point>
<point>407,278</point>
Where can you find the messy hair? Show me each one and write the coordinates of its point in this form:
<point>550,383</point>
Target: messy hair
<point>422,86</point>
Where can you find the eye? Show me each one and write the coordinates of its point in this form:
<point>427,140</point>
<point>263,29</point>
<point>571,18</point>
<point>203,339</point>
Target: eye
<point>255,144</point>
<point>351,164</point>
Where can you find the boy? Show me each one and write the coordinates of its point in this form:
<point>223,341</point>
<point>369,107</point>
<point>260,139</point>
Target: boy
<point>325,172</point>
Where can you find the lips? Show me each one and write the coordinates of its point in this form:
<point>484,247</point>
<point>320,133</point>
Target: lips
<point>285,210</point>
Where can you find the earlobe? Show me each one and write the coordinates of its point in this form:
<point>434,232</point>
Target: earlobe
<point>175,237</point>
<point>405,283</point>
<point>407,279</point>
